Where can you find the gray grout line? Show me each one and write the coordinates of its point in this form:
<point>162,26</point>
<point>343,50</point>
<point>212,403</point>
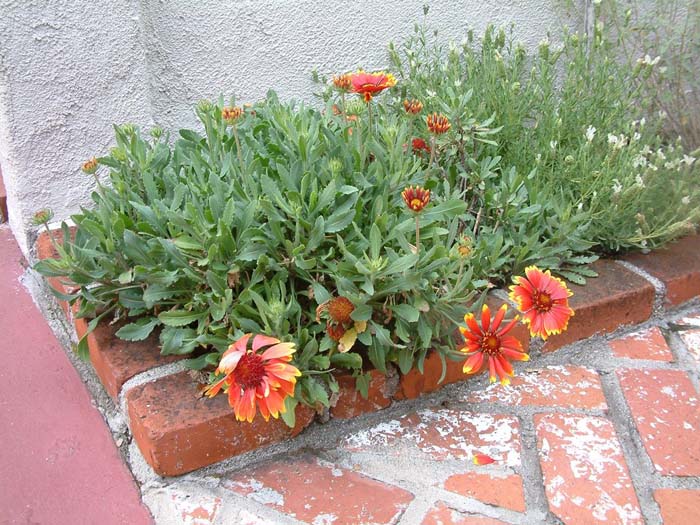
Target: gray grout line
<point>659,287</point>
<point>533,480</point>
<point>639,465</point>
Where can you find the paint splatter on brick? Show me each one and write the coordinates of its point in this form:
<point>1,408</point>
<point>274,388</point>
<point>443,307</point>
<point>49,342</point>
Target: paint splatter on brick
<point>441,514</point>
<point>586,478</point>
<point>196,511</point>
<point>554,386</point>
<point>320,493</point>
<point>691,338</point>
<point>446,433</point>
<point>646,344</point>
<point>666,411</point>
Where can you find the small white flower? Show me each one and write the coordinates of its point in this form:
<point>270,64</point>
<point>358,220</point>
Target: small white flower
<point>539,157</point>
<point>620,143</point>
<point>590,133</point>
<point>458,83</point>
<point>544,42</point>
<point>639,161</point>
<point>646,150</point>
<point>640,181</point>
<point>685,200</point>
<point>430,93</point>
<point>636,137</point>
<point>660,154</point>
<point>642,122</point>
<point>688,159</point>
<point>662,114</point>
<point>648,61</point>
<point>553,144</point>
<point>580,206</point>
<point>617,187</point>
<point>612,139</point>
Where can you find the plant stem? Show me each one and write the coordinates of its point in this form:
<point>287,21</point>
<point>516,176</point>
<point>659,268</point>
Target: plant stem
<point>432,151</point>
<point>238,147</point>
<point>417,239</point>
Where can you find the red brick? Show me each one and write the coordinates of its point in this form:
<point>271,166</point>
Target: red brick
<point>317,492</point>
<point>350,402</point>
<point>441,514</point>
<point>678,506</point>
<point>195,510</point>
<point>443,433</point>
<point>616,297</point>
<point>676,265</point>
<point>586,478</point>
<point>691,338</point>
<point>116,361</point>
<point>666,411</point>
<point>178,430</point>
<point>492,488</point>
<point>554,386</point>
<point>414,383</point>
<point>646,344</point>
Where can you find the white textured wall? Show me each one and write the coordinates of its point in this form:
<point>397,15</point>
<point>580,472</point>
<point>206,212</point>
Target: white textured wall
<point>68,69</point>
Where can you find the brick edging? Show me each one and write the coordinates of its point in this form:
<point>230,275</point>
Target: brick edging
<point>177,431</point>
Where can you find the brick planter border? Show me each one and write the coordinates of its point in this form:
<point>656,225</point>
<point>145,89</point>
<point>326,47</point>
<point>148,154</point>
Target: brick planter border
<point>178,431</point>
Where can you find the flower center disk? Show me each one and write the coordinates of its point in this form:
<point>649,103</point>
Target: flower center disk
<point>543,302</point>
<point>250,371</point>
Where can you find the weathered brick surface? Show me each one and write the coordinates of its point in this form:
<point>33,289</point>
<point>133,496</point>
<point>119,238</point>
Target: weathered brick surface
<point>441,514</point>
<point>414,383</point>
<point>3,200</point>
<point>678,506</point>
<point>677,266</point>
<point>317,492</point>
<point>617,297</point>
<point>178,430</point>
<point>554,386</point>
<point>442,433</point>
<point>691,338</point>
<point>201,510</point>
<point>494,488</point>
<point>350,402</point>
<point>116,361</point>
<point>646,344</point>
<point>666,411</point>
<point>586,478</point>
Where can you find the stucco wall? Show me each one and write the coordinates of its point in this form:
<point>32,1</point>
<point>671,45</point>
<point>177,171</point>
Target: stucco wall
<point>68,70</point>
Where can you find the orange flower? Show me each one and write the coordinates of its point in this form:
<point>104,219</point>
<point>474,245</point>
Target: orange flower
<point>416,198</point>
<point>437,123</point>
<point>252,378</point>
<point>419,145</point>
<point>543,300</point>
<point>343,82</point>
<point>369,84</point>
<point>413,106</point>
<point>90,166</point>
<point>488,344</point>
<point>231,114</point>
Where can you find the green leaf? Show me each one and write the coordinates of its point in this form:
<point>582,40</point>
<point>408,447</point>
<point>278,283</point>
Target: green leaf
<point>362,384</point>
<point>406,312</point>
<point>139,330</point>
<point>347,360</point>
<point>362,312</point>
<point>405,361</point>
<point>179,317</point>
<point>82,349</point>
<point>289,414</point>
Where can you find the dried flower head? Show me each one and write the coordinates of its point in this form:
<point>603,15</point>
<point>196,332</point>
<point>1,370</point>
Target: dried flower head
<point>437,123</point>
<point>416,198</point>
<point>231,114</point>
<point>89,166</point>
<point>419,146</point>
<point>343,82</point>
<point>413,106</point>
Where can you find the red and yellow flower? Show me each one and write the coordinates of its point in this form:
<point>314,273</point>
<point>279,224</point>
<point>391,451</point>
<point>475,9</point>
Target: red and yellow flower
<point>413,106</point>
<point>89,166</point>
<point>419,145</point>
<point>260,375</point>
<point>369,84</point>
<point>543,300</point>
<point>488,345</point>
<point>340,326</point>
<point>437,123</point>
<point>416,198</point>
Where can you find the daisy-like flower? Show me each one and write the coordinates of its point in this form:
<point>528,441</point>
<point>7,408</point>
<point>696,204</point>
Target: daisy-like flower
<point>437,123</point>
<point>343,82</point>
<point>543,300</point>
<point>413,106</point>
<point>340,325</point>
<point>260,376</point>
<point>416,198</point>
<point>89,166</point>
<point>488,345</point>
<point>369,84</point>
<point>231,114</point>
